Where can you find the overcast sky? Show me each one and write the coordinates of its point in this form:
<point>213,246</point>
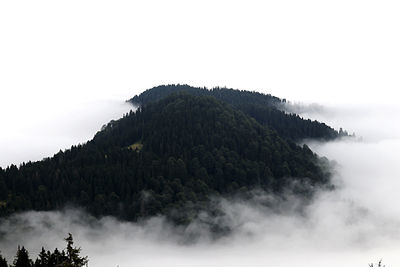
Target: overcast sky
<point>66,68</point>
<point>330,51</point>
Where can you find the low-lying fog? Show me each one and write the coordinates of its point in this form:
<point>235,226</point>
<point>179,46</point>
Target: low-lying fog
<point>354,225</point>
<point>37,129</point>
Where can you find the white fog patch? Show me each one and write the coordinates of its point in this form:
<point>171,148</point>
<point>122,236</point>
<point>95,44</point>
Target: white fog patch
<point>35,131</point>
<point>370,172</point>
<point>356,224</point>
<point>302,108</point>
<point>333,232</point>
<point>371,123</point>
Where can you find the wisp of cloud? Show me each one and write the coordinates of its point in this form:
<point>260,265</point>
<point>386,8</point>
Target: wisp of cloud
<point>40,129</point>
<point>353,225</point>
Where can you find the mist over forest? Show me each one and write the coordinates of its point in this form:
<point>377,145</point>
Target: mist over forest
<point>301,171</point>
<point>51,127</point>
<point>357,220</point>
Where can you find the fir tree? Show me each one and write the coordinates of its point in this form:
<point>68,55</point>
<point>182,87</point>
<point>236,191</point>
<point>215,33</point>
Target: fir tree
<point>43,259</point>
<point>3,262</point>
<point>22,258</point>
<point>73,259</point>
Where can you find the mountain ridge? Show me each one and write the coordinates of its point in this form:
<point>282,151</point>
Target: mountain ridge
<point>266,109</point>
<point>154,161</point>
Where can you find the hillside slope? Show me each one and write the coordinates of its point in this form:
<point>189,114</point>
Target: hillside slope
<point>176,152</point>
<point>266,109</point>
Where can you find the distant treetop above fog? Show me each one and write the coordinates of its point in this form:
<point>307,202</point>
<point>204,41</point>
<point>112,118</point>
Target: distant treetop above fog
<point>266,109</point>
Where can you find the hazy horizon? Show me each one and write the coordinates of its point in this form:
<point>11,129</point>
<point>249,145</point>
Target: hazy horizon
<point>66,68</point>
<point>351,226</point>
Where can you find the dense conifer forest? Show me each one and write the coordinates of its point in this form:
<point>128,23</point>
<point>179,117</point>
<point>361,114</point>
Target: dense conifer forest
<point>266,109</point>
<point>168,155</point>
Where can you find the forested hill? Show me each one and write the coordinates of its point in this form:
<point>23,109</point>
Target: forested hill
<point>266,109</point>
<point>167,155</point>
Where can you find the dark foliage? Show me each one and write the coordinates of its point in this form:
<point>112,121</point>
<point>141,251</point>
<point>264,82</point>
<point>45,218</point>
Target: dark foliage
<point>378,265</point>
<point>22,258</point>
<point>66,258</point>
<point>3,262</point>
<point>265,109</point>
<point>165,156</point>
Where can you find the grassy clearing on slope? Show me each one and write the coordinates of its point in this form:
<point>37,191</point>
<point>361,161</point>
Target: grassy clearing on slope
<point>136,146</point>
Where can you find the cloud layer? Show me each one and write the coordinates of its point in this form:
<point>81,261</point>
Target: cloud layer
<point>356,224</point>
<point>32,132</point>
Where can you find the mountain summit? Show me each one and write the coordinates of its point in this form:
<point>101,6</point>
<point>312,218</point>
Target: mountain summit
<point>268,110</point>
<point>179,150</point>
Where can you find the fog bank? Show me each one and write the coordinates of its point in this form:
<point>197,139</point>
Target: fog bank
<point>372,122</point>
<point>33,131</point>
<point>354,225</point>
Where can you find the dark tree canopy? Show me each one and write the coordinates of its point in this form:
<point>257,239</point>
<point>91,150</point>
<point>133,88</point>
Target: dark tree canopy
<point>70,257</point>
<point>3,262</point>
<point>22,258</point>
<point>266,109</point>
<point>168,154</point>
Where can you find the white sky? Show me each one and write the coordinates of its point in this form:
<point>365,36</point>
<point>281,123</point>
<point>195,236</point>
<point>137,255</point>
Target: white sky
<point>330,51</point>
<point>60,59</point>
<point>67,66</point>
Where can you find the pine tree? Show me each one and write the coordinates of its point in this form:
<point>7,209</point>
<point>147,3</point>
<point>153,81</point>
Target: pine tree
<point>43,259</point>
<point>55,258</point>
<point>3,262</point>
<point>22,258</point>
<point>73,258</point>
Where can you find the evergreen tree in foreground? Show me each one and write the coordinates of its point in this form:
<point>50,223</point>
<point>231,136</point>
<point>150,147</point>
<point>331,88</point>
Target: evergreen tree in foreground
<point>43,259</point>
<point>379,264</point>
<point>22,258</point>
<point>70,257</point>
<point>3,262</point>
